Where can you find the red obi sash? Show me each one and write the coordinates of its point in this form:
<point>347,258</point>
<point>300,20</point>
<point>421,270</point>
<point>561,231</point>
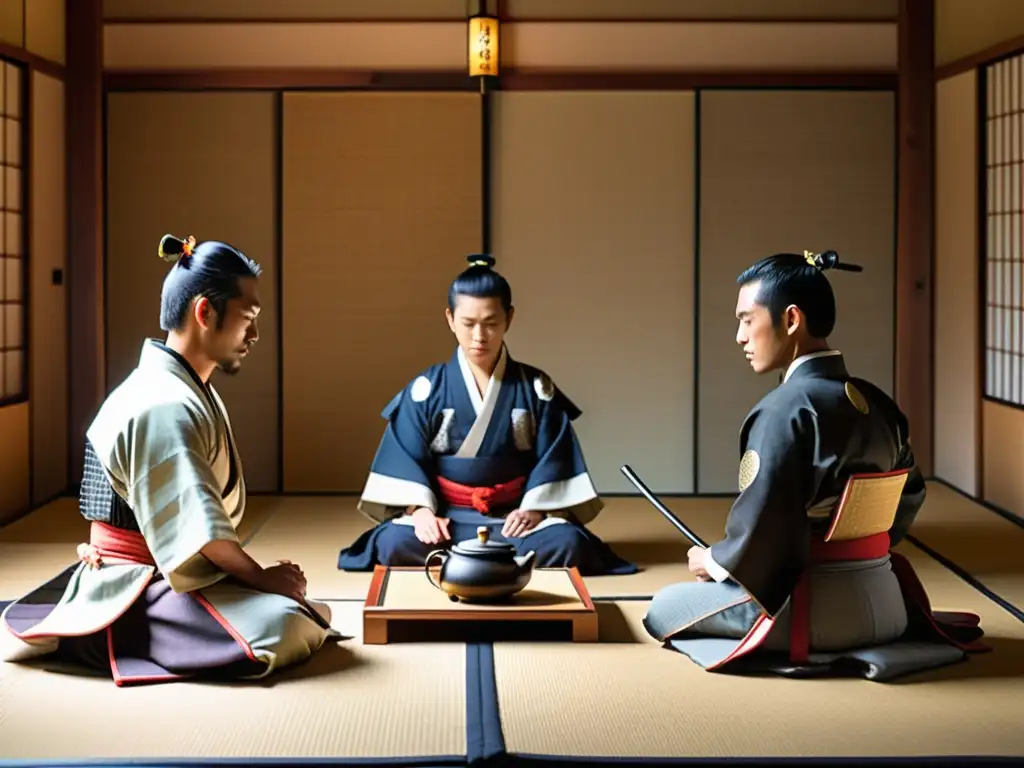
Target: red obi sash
<point>106,541</point>
<point>483,498</point>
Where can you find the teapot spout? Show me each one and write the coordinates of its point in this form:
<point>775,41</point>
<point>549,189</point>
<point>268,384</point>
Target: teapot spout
<point>525,562</point>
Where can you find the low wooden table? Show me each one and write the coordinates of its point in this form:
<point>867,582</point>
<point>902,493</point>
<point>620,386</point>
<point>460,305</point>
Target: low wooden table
<point>405,596</point>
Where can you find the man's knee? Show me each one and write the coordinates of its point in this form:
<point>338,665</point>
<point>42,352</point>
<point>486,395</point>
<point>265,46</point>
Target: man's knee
<point>560,546</point>
<point>670,609</point>
<point>398,546</point>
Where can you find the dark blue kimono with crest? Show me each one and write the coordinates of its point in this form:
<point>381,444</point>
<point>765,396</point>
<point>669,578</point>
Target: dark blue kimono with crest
<point>439,425</point>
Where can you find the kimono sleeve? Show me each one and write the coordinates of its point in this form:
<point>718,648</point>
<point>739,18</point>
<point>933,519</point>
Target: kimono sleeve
<point>767,534</point>
<point>559,483</point>
<point>401,474</point>
<point>174,493</point>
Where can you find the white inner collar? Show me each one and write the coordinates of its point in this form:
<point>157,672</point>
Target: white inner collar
<point>804,358</point>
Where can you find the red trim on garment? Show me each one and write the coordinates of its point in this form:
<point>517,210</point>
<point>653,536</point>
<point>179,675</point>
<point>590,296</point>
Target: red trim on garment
<point>226,625</point>
<point>120,680</point>
<point>29,635</point>
<point>481,498</point>
<point>750,642</point>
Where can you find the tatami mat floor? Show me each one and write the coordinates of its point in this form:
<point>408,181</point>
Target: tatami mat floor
<point>444,703</point>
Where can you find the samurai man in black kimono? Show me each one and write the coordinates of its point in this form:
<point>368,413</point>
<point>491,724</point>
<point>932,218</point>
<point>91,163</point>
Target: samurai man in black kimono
<point>804,581</point>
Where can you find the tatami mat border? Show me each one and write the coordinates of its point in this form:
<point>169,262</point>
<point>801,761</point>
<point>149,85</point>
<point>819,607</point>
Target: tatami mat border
<point>964,574</point>
<point>485,740</point>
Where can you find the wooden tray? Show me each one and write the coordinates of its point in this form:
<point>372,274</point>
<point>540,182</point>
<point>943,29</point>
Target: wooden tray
<point>404,596</point>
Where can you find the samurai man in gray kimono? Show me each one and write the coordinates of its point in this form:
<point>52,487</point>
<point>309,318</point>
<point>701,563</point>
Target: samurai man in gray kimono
<point>804,581</point>
<point>164,591</point>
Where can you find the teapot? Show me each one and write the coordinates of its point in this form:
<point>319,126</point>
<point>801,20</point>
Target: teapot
<point>479,570</point>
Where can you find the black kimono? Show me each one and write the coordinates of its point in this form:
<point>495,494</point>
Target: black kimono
<point>858,606</point>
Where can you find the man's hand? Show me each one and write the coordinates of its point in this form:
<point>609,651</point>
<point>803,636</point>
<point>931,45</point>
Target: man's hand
<point>286,579</point>
<point>696,556</point>
<point>520,522</point>
<point>430,529</point>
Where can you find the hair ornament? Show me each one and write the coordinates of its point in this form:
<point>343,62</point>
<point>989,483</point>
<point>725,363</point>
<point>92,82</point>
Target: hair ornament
<point>172,249</point>
<point>829,260</point>
<point>480,260</point>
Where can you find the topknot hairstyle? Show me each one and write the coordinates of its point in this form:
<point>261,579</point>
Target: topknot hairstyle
<point>480,281</point>
<point>798,279</point>
<point>211,270</point>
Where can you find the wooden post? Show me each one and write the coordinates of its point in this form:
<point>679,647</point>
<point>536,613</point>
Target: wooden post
<point>84,110</point>
<point>915,220</point>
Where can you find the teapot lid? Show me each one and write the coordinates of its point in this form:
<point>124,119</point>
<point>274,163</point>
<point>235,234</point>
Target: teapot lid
<point>482,545</point>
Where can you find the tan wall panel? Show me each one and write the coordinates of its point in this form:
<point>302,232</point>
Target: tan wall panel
<point>381,206</point>
<point>45,29</point>
<point>780,172</point>
<point>1003,459</point>
<point>384,46</point>
<point>957,431</point>
<point>390,46</point>
<point>275,9</point>
<point>14,462</point>
<point>718,46</point>
<point>701,9</point>
<point>200,164</point>
<point>965,27</point>
<point>12,22</point>
<point>593,215</point>
<point>48,304</point>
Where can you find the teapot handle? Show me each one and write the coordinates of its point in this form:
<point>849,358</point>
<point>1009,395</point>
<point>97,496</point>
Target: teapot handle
<point>443,554</point>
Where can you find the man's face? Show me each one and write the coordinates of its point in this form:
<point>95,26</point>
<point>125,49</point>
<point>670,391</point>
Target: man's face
<point>479,326</point>
<point>766,347</point>
<point>229,344</point>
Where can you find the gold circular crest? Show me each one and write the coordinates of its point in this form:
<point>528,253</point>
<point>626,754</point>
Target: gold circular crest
<point>749,465</point>
<point>855,397</point>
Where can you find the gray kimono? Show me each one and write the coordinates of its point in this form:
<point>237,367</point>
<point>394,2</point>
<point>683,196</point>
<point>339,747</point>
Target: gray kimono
<point>867,614</point>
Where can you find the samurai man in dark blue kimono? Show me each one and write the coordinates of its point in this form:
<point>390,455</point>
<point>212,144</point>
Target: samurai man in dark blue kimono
<point>481,440</point>
<point>804,581</point>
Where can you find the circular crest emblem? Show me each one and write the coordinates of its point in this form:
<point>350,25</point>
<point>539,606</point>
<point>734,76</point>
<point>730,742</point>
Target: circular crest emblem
<point>854,396</point>
<point>749,465</point>
<point>420,389</point>
<point>544,386</point>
